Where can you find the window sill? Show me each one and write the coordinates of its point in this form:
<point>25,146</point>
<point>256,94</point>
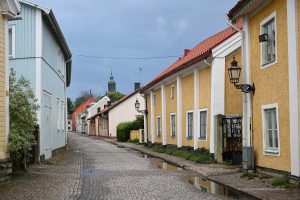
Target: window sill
<point>268,64</point>
<point>271,152</point>
<point>189,138</point>
<point>158,136</point>
<point>173,136</point>
<point>202,139</point>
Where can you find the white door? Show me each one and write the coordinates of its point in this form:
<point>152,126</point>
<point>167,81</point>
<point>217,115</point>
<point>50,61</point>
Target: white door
<point>46,127</point>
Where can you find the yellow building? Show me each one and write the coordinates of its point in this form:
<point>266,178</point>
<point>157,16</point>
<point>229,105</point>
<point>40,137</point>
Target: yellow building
<point>271,61</point>
<point>188,101</point>
<point>9,10</point>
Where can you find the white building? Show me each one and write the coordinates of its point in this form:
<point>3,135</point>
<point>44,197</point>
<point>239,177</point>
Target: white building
<point>93,110</point>
<point>124,111</point>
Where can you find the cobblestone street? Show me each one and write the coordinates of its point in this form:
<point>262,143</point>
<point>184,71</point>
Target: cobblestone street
<point>94,169</point>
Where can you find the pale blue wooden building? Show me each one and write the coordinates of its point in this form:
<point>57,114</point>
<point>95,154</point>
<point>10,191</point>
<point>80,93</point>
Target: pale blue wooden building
<point>41,54</point>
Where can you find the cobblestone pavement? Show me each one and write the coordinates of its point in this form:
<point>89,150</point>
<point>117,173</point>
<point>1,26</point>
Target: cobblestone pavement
<point>228,175</point>
<point>94,169</point>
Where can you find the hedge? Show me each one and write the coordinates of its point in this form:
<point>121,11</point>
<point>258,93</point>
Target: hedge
<point>123,129</point>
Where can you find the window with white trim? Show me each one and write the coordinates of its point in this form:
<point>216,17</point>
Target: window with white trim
<point>270,130</point>
<point>203,124</point>
<point>173,124</point>
<point>154,99</point>
<point>11,41</point>
<point>268,48</point>
<point>172,93</point>
<point>158,126</point>
<point>189,124</point>
<point>62,116</point>
<point>58,114</point>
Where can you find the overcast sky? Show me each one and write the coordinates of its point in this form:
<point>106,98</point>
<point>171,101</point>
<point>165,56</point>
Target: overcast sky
<point>131,28</point>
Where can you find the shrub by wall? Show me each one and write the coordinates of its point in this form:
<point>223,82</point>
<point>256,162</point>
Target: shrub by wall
<point>123,129</point>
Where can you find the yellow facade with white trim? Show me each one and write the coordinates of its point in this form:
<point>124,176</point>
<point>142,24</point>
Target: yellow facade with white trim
<point>272,87</point>
<point>3,75</point>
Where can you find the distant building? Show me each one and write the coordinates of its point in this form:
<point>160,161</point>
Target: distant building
<point>111,84</point>
<point>69,122</point>
<point>40,53</point>
<point>107,120</point>
<point>77,114</point>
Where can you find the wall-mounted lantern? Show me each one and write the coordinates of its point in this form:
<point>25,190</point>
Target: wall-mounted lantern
<point>234,73</point>
<point>137,107</point>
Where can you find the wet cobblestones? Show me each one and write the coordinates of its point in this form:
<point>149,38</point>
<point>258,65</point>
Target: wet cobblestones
<point>93,169</point>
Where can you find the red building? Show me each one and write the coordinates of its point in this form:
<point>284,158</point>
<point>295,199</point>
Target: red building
<point>80,109</point>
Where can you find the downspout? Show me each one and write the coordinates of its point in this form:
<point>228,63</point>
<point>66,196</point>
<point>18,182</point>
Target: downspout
<point>247,100</point>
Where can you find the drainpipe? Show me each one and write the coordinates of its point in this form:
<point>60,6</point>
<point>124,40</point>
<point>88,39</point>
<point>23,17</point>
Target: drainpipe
<point>248,152</point>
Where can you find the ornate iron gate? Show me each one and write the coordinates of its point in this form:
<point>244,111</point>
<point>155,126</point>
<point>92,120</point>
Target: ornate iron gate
<point>232,139</point>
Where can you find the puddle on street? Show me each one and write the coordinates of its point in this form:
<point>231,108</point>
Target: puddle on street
<point>200,183</point>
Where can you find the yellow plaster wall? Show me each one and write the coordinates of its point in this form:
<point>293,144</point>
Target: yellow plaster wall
<point>148,116</point>
<point>157,112</point>
<point>204,101</point>
<point>187,104</point>
<point>271,87</point>
<point>134,134</point>
<point>3,128</point>
<point>233,96</point>
<point>171,107</point>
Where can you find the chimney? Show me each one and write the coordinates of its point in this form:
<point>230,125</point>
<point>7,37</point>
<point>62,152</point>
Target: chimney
<point>108,103</point>
<point>137,86</point>
<point>186,52</point>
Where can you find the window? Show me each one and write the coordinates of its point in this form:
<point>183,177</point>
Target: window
<point>203,124</point>
<point>158,126</point>
<point>268,48</point>
<point>61,62</point>
<point>58,114</point>
<point>173,124</point>
<point>270,128</point>
<point>154,99</point>
<point>62,123</point>
<point>189,126</point>
<point>11,41</point>
<point>172,92</point>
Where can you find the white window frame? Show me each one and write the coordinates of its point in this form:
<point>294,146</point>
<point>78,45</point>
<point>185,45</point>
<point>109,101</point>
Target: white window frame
<point>158,129</point>
<point>187,124</point>
<point>154,98</point>
<point>62,123</point>
<point>13,42</point>
<point>172,114</point>
<point>262,23</point>
<point>58,115</point>
<point>269,152</point>
<point>172,92</point>
<point>199,123</point>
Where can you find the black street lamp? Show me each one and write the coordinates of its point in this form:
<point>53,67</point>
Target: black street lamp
<point>234,73</point>
<point>137,107</point>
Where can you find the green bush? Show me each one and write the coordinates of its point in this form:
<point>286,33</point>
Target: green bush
<point>123,129</point>
<point>135,141</point>
<point>200,155</point>
<point>23,121</point>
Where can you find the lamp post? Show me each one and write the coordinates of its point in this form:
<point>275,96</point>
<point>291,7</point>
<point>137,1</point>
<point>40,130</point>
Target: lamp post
<point>234,73</point>
<point>137,107</point>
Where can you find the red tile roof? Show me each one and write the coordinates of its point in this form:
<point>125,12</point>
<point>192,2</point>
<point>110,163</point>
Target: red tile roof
<point>237,7</point>
<point>198,53</point>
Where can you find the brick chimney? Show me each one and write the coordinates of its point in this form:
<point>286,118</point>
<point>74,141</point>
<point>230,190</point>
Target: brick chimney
<point>137,86</point>
<point>186,52</point>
